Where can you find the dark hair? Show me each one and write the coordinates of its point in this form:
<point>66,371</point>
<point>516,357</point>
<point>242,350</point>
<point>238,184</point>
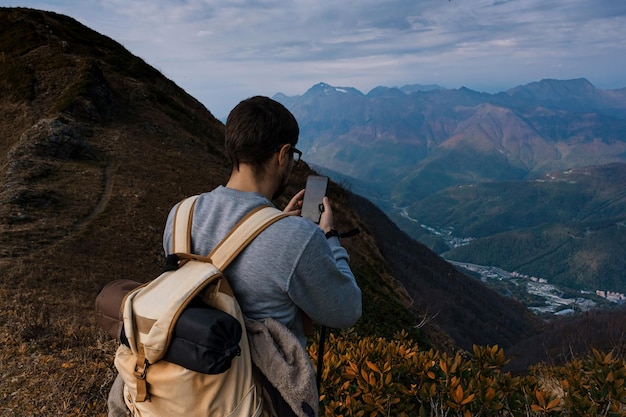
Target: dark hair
<point>255,128</point>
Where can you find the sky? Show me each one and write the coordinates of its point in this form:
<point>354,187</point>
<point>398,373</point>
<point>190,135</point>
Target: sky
<point>222,52</point>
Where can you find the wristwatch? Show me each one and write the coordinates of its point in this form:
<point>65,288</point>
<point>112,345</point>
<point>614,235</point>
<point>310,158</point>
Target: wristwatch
<point>332,233</point>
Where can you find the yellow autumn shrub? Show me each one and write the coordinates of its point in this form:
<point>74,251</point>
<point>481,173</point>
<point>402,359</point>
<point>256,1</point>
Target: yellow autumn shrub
<point>374,376</point>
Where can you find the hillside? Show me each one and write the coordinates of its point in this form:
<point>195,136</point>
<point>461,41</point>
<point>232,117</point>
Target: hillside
<point>478,316</point>
<point>98,145</point>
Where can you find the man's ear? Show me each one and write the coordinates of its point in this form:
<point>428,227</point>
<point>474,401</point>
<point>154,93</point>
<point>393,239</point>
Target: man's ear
<point>283,154</point>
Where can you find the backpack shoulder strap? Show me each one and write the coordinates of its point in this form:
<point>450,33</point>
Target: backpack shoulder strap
<point>243,233</point>
<point>235,241</point>
<point>181,230</point>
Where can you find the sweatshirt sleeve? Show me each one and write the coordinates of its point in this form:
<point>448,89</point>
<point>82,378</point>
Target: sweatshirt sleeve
<point>323,284</point>
<point>167,232</point>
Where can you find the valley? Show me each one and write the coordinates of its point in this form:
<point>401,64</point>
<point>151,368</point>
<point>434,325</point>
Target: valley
<point>538,294</point>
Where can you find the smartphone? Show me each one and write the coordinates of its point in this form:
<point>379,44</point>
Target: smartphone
<point>315,190</point>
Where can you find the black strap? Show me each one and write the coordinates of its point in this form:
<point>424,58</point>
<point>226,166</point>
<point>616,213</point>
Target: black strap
<point>171,263</point>
<point>350,233</point>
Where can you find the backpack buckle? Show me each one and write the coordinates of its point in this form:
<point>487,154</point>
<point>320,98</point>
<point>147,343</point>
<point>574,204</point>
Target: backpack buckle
<point>140,370</point>
<point>140,373</point>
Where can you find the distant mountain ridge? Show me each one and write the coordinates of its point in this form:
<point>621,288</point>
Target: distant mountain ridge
<point>401,150</point>
<point>428,140</point>
<point>578,94</point>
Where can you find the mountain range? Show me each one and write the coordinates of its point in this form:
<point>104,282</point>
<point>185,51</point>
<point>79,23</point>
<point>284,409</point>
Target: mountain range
<point>531,179</point>
<point>428,140</point>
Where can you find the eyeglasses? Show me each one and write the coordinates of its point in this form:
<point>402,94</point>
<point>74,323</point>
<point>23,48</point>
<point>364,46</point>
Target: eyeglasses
<point>297,153</point>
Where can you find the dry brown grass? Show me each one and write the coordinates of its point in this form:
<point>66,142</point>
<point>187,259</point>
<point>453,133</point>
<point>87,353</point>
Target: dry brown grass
<point>54,360</point>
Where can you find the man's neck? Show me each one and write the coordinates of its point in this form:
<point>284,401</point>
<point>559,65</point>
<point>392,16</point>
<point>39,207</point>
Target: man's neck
<point>244,179</point>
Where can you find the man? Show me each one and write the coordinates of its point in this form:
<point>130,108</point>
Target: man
<point>291,269</point>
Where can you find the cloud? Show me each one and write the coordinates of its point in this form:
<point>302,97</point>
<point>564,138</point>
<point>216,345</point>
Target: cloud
<point>222,52</point>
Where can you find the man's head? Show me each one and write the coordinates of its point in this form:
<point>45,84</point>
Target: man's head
<point>256,129</point>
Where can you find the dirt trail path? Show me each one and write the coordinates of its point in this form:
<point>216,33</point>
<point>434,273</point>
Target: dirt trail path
<point>102,202</point>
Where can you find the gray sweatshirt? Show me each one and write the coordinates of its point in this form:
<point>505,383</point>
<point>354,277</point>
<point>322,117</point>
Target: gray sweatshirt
<point>288,269</point>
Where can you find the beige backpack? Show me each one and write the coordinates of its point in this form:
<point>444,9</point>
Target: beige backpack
<point>157,387</point>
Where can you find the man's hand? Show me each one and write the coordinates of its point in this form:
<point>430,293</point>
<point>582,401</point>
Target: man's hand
<point>326,219</point>
<point>294,208</point>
